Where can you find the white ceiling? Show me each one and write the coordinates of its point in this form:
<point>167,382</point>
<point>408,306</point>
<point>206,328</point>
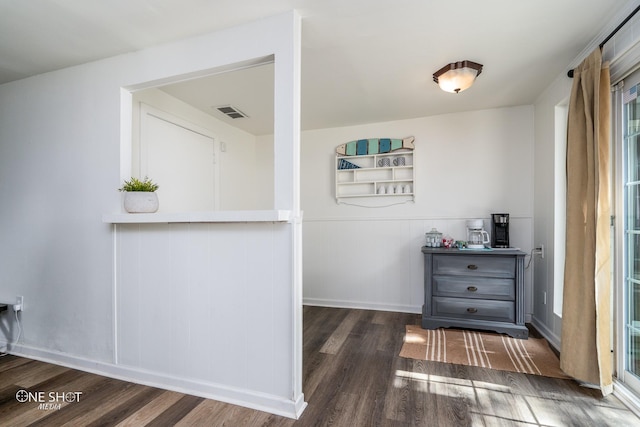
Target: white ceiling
<point>363,61</point>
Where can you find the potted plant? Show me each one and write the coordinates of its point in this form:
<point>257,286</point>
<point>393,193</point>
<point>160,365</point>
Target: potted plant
<point>140,195</point>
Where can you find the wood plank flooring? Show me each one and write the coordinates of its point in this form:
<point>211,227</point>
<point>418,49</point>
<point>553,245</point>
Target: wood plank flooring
<point>352,377</point>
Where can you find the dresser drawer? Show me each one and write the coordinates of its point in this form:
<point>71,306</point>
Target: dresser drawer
<point>478,266</point>
<point>469,308</point>
<point>474,287</point>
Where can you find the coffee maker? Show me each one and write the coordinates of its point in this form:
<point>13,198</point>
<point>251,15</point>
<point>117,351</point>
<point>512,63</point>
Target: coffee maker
<point>477,238</point>
<point>499,230</point>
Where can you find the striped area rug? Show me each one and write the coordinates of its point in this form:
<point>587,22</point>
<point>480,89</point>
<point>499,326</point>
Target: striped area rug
<point>483,349</point>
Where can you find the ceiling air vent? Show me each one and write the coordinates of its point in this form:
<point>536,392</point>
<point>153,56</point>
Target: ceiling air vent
<point>231,111</point>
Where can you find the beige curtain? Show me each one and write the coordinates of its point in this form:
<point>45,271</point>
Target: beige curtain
<point>586,332</point>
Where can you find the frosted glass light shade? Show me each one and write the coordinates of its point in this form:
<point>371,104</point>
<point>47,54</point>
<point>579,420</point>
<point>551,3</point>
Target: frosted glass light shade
<point>457,76</point>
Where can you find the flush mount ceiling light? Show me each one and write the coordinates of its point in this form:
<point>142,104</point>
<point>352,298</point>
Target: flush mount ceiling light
<point>457,76</point>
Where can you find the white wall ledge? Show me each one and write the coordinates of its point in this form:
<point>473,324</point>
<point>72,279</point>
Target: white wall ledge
<point>209,216</point>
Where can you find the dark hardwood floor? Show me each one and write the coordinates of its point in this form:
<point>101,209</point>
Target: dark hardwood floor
<point>352,377</point>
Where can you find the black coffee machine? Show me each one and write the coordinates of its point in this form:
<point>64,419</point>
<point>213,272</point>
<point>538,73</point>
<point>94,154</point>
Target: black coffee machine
<point>499,230</point>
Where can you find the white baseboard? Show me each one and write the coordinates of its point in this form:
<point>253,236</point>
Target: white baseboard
<point>627,397</point>
<point>414,309</point>
<point>236,396</point>
<point>548,334</point>
<point>362,305</point>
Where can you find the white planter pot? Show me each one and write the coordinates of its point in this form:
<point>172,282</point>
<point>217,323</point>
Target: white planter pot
<point>140,201</point>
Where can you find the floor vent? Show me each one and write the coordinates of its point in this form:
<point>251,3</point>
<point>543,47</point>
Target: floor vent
<point>231,111</point>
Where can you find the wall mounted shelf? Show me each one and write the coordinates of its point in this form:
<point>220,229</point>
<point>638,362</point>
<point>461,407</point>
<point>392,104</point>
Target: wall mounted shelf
<point>191,217</point>
<point>388,175</point>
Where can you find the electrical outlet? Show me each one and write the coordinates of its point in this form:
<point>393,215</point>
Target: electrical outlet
<point>19,304</point>
<point>541,251</point>
<point>544,296</point>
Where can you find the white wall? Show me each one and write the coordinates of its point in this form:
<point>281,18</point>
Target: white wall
<point>467,165</point>
<point>263,190</point>
<point>190,309</point>
<point>546,175</point>
<point>60,167</point>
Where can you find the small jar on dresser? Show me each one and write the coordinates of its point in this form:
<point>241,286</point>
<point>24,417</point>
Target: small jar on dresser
<point>475,289</point>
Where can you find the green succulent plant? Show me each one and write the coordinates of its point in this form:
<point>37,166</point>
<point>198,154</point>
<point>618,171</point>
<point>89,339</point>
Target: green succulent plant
<point>134,184</point>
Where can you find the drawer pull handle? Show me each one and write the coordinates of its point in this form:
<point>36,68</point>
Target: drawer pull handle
<point>472,310</point>
<point>472,288</point>
<point>472,267</point>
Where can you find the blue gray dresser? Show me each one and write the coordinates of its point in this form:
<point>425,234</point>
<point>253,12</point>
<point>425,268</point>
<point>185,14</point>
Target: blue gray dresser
<point>474,289</point>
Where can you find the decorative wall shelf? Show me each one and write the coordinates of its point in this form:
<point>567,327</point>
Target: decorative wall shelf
<point>388,176</point>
